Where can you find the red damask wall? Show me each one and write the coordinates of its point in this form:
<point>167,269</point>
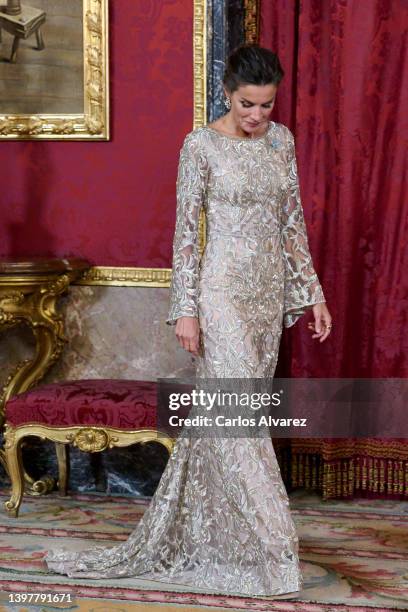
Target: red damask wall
<point>111,202</point>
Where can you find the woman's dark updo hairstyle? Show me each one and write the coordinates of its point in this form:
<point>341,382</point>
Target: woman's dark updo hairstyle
<point>252,65</point>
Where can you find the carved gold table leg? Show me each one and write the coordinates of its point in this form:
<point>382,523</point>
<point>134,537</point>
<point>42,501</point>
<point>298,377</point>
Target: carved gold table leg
<point>47,326</point>
<point>38,310</point>
<point>29,293</point>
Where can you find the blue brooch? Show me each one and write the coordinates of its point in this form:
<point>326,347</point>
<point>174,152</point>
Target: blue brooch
<point>275,144</point>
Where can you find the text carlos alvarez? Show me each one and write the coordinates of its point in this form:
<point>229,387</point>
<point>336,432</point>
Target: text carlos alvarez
<point>238,421</point>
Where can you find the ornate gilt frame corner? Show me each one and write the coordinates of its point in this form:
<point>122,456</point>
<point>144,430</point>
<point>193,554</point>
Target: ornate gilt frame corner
<point>93,124</point>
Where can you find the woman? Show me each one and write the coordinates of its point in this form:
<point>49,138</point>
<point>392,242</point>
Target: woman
<point>220,515</point>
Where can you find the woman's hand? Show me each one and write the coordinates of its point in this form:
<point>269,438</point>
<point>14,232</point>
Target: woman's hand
<point>323,322</point>
<point>188,334</point>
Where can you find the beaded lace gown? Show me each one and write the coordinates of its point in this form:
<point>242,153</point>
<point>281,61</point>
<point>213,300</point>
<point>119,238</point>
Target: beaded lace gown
<point>220,516</point>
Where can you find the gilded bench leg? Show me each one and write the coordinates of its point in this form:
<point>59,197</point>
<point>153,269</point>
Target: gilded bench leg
<point>62,451</point>
<point>15,467</point>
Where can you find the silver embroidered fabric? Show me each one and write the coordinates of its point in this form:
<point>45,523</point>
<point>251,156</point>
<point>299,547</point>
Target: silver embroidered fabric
<point>220,516</point>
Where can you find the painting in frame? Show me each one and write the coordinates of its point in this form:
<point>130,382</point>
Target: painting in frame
<point>54,70</point>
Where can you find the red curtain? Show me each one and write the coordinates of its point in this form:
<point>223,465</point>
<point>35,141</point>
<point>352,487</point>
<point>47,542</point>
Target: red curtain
<point>345,97</point>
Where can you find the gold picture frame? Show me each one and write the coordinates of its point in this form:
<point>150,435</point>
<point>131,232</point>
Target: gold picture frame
<point>93,122</point>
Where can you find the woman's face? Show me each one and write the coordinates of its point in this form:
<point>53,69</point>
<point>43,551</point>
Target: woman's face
<point>251,106</point>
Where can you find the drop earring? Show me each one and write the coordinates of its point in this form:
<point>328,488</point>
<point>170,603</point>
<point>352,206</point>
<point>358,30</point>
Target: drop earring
<point>227,102</point>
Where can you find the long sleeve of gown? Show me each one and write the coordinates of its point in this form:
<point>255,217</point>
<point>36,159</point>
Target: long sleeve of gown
<point>190,189</point>
<point>302,287</point>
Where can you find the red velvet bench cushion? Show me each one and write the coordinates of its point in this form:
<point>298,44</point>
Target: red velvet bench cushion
<point>124,404</point>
